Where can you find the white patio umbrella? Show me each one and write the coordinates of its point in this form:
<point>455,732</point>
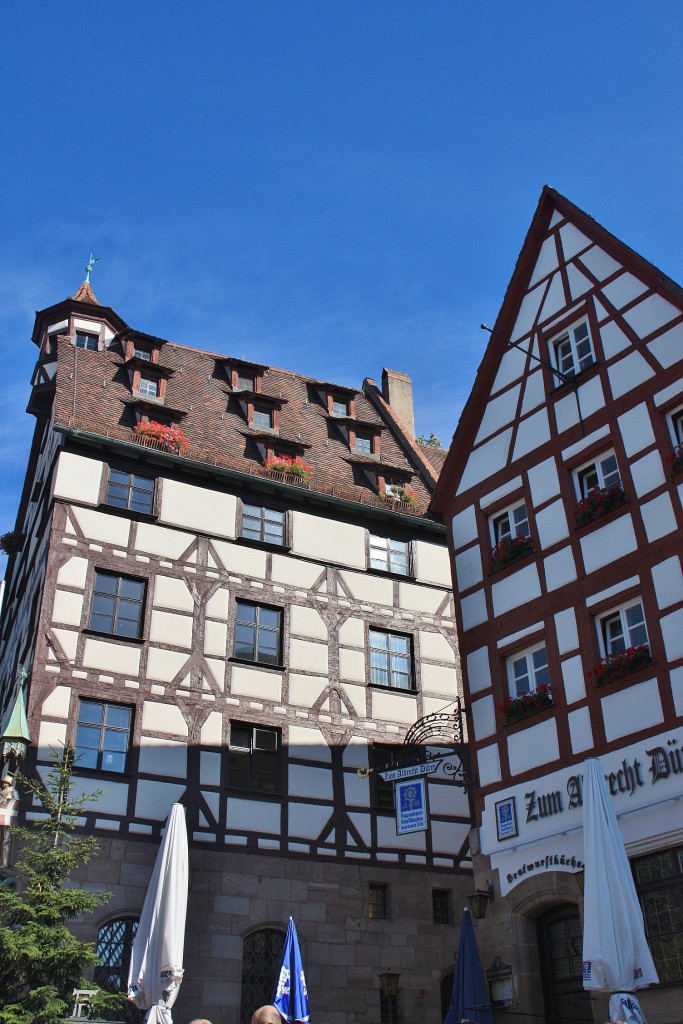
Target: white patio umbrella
<point>156,961</point>
<point>616,956</point>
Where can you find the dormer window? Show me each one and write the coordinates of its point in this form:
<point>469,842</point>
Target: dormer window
<point>262,418</point>
<point>91,342</point>
<point>143,352</point>
<point>340,406</point>
<point>363,443</point>
<point>149,386</point>
<point>245,382</point>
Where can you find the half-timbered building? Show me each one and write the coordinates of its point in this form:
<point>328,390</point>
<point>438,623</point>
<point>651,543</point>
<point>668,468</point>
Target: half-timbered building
<point>226,589</point>
<point>562,498</point>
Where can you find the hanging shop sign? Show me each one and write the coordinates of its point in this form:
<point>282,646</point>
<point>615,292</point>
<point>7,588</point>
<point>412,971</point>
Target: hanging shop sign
<point>410,797</point>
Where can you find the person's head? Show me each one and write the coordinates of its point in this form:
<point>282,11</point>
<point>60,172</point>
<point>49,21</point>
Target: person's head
<point>200,1020</point>
<point>266,1015</point>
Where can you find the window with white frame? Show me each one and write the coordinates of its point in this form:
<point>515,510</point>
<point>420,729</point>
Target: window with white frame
<point>676,420</point>
<point>528,670</point>
<point>142,352</point>
<point>263,418</point>
<point>622,628</point>
<point>512,522</point>
<point>263,524</point>
<point>340,406</point>
<point>602,472</point>
<point>573,350</point>
<point>363,443</point>
<point>149,386</point>
<point>390,555</point>
<point>391,661</point>
<point>87,341</point>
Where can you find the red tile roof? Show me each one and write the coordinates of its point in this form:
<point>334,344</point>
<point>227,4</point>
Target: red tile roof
<point>93,394</point>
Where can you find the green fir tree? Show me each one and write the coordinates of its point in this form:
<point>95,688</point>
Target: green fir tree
<point>41,962</point>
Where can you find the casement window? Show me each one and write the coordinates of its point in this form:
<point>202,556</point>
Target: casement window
<point>258,633</point>
<point>602,472</point>
<point>622,628</point>
<point>261,960</point>
<point>659,884</point>
<point>91,342</point>
<point>527,670</point>
<point>363,443</point>
<point>388,555</point>
<point>264,524</point>
<point>102,736</point>
<point>511,522</point>
<point>383,756</point>
<point>378,901</point>
<point>573,350</point>
<point>263,418</point>
<point>340,406</point>
<point>149,386</point>
<point>391,660</point>
<point>245,382</point>
<point>393,486</point>
<point>118,605</point>
<point>442,906</point>
<point>114,945</point>
<point>677,426</point>
<point>142,352</point>
<point>391,1006</point>
<point>254,758</point>
<point>131,491</point>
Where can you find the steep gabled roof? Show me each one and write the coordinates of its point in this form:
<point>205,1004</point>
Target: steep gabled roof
<point>551,204</point>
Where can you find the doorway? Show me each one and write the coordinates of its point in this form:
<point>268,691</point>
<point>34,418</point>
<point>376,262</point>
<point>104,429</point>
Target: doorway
<point>560,947</point>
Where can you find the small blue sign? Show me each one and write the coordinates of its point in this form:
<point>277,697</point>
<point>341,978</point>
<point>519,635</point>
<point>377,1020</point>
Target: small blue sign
<point>411,805</point>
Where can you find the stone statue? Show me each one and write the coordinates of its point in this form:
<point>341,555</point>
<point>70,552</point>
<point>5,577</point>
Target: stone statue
<point>9,801</point>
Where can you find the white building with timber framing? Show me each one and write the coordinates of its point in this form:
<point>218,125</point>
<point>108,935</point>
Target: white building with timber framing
<point>244,609</point>
<point>562,497</point>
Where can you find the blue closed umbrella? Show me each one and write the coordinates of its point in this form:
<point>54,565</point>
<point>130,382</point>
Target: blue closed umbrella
<point>470,999</point>
<point>291,998</point>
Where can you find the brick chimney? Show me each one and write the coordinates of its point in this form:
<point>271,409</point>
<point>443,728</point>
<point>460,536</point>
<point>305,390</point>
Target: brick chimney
<point>397,390</point>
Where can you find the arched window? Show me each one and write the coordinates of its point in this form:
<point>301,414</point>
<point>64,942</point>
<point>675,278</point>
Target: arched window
<point>261,959</point>
<point>114,944</point>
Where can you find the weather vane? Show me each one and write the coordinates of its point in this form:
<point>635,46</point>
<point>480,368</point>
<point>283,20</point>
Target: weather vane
<point>91,263</point>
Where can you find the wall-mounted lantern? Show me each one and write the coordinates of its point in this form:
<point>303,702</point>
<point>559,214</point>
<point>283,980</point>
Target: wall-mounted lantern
<point>479,900</point>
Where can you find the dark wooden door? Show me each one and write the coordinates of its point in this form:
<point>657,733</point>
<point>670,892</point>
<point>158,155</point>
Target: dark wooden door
<point>560,945</point>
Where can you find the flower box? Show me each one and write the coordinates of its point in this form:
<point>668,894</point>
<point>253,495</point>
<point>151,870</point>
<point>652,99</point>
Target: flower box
<point>10,543</point>
<point>288,466</point>
<point>161,435</point>
<point>400,496</point>
<point>509,550</point>
<point>598,503</point>
<point>676,458</point>
<point>616,666</point>
<point>516,708</point>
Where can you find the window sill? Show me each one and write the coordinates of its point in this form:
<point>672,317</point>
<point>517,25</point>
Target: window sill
<point>114,636</point>
<point>567,386</point>
<point>517,718</point>
<point>102,773</point>
<point>391,575</point>
<point>263,545</point>
<point>252,794</point>
<point>504,570</point>
<point>392,689</point>
<point>256,664</point>
<point>596,523</point>
<point>127,513</point>
<point>624,679</point>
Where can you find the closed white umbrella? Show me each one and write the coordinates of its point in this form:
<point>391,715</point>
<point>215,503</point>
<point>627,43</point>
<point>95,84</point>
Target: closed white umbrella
<point>616,956</point>
<point>156,962</point>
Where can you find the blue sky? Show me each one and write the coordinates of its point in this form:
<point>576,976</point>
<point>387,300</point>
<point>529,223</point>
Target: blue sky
<point>327,187</point>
